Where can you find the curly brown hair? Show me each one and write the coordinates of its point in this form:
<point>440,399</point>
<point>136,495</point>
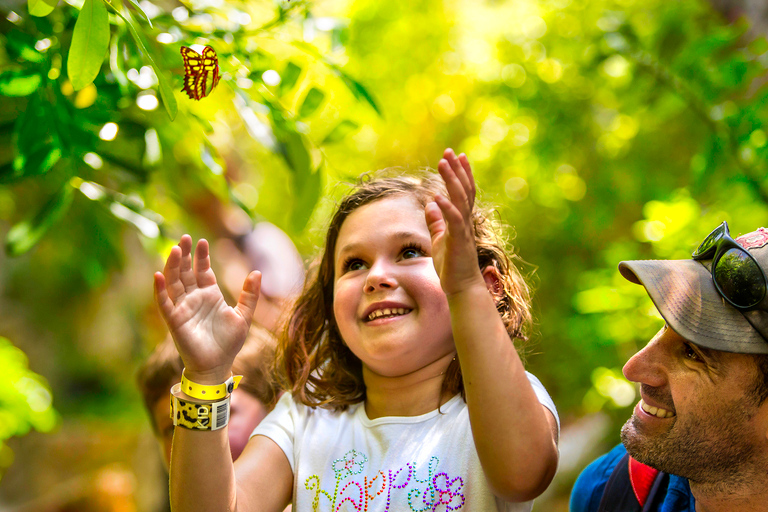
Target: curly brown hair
<point>312,359</point>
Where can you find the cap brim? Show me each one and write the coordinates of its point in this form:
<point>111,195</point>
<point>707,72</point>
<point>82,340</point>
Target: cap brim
<point>686,298</point>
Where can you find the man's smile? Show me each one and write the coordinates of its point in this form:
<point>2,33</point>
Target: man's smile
<point>655,411</point>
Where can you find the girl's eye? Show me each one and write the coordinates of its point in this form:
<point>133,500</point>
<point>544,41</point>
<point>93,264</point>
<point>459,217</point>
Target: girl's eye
<point>412,251</point>
<point>352,264</point>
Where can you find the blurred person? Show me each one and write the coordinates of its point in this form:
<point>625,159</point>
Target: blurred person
<point>698,437</point>
<point>255,396</point>
<point>268,249</point>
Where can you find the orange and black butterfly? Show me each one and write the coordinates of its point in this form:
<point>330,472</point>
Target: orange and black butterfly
<point>201,72</point>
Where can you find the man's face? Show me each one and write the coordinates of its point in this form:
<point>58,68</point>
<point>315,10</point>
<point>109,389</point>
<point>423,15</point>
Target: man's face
<point>696,418</point>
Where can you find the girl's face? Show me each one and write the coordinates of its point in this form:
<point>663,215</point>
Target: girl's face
<point>387,300</point>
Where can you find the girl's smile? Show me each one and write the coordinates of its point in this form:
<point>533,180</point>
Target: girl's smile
<point>388,303</point>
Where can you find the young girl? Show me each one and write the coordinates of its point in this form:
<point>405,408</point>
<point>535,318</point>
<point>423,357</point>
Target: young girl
<point>407,392</point>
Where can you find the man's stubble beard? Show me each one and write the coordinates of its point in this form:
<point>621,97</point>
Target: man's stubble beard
<point>707,452</point>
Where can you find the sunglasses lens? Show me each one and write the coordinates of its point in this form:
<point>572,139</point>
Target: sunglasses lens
<point>710,242</point>
<point>739,278</point>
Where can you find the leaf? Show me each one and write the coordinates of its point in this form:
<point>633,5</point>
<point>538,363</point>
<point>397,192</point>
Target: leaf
<point>41,7</point>
<point>39,161</point>
<point>37,145</point>
<point>307,190</point>
<point>19,83</point>
<point>340,131</point>
<point>90,41</point>
<point>136,5</point>
<point>353,85</point>
<point>22,46</point>
<point>24,235</point>
<point>169,100</point>
<point>290,76</point>
<point>358,90</point>
<point>311,101</point>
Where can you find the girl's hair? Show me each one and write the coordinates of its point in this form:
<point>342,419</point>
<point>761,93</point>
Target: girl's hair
<point>313,360</point>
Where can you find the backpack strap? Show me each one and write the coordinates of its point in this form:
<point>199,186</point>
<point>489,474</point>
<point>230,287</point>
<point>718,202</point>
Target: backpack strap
<point>632,487</point>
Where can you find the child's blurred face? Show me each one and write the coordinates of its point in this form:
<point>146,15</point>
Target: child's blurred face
<point>388,303</point>
<point>246,412</point>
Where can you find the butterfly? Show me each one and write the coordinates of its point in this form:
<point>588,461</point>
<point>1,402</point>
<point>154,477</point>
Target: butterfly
<point>201,72</point>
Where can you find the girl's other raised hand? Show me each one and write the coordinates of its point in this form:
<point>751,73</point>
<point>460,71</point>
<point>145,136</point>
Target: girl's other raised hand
<point>207,331</point>
<point>454,252</point>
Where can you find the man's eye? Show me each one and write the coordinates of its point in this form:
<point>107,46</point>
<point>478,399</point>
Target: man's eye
<point>690,353</point>
<point>411,253</point>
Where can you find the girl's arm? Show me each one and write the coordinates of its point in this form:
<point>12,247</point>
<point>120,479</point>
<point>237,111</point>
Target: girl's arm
<point>208,335</point>
<point>515,436</point>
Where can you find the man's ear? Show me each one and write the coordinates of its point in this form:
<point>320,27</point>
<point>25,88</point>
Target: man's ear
<point>493,281</point>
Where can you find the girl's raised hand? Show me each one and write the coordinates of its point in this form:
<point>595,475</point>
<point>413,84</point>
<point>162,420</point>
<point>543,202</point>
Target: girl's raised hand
<point>450,225</point>
<point>208,332</point>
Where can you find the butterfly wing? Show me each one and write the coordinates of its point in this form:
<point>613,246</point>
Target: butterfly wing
<point>211,70</point>
<point>193,68</point>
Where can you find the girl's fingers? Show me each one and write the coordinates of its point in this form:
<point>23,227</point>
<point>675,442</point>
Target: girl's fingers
<point>463,172</point>
<point>434,218</point>
<point>171,273</point>
<point>249,297</point>
<point>468,170</point>
<point>203,274</point>
<point>186,275</point>
<point>456,190</point>
<point>164,302</point>
<point>453,217</point>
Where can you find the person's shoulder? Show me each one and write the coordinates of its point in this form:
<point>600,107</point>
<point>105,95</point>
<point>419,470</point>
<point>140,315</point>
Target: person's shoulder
<point>588,489</point>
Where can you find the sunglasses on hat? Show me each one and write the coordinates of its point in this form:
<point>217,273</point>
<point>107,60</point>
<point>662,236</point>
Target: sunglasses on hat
<point>737,276</point>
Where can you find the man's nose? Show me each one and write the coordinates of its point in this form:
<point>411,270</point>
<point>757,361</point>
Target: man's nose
<point>647,366</point>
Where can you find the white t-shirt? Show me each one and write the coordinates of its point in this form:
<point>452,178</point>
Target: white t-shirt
<point>344,462</point>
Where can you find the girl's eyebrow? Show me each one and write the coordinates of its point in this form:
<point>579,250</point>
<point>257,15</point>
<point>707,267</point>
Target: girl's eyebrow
<point>398,235</point>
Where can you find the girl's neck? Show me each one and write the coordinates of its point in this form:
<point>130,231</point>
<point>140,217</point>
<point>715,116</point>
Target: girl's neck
<point>413,394</point>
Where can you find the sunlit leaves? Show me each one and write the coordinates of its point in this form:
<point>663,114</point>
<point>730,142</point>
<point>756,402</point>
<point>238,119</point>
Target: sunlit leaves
<point>37,142</point>
<point>41,7</point>
<point>311,102</point>
<point>27,399</point>
<point>340,131</point>
<point>19,83</point>
<point>289,77</point>
<point>24,235</point>
<point>166,92</point>
<point>21,45</point>
<point>137,6</point>
<point>90,41</point>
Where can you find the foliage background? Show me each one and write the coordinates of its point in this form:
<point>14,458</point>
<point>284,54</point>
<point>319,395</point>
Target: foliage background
<point>604,130</point>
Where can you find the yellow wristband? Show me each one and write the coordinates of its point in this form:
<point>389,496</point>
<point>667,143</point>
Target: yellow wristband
<point>198,416</point>
<point>214,392</point>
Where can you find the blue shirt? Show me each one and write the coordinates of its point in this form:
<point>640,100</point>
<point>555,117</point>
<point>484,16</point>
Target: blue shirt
<point>588,489</point>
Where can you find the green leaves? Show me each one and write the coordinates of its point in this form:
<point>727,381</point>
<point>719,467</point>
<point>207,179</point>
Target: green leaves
<point>289,77</point>
<point>341,130</point>
<point>90,41</point>
<point>19,83</point>
<point>41,7</point>
<point>38,145</point>
<point>311,101</point>
<point>24,235</point>
<point>26,396</point>
<point>166,92</point>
